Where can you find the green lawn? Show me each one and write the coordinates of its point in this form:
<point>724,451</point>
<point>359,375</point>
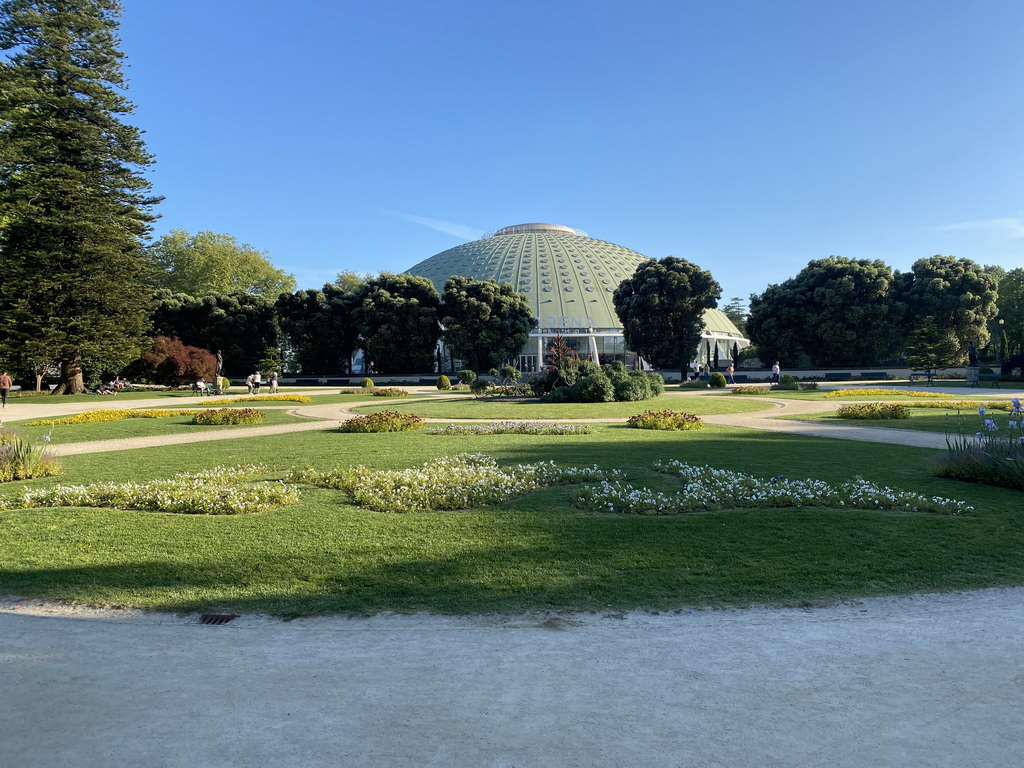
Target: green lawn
<point>533,552</point>
<point>498,408</point>
<point>923,419</point>
<point>114,430</point>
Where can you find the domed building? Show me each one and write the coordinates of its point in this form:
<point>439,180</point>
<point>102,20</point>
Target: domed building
<point>569,279</point>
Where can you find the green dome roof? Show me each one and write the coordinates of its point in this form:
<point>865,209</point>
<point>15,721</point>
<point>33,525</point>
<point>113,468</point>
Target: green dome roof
<point>568,277</point>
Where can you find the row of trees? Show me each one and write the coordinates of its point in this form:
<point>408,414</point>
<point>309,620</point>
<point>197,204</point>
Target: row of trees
<point>844,312</point>
<point>395,319</point>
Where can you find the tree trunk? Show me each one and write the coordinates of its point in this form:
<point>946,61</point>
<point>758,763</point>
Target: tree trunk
<point>71,382</point>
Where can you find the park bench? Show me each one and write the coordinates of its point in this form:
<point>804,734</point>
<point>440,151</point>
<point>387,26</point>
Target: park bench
<point>923,375</point>
<point>738,377</point>
<point>306,382</point>
<point>831,376</point>
<point>339,382</point>
<point>993,377</point>
<point>874,375</point>
<point>197,390</point>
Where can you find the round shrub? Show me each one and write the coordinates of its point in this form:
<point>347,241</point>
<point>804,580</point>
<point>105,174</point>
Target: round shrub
<point>382,421</point>
<point>717,381</point>
<point>615,370</point>
<point>481,387</point>
<point>595,388</point>
<point>366,383</point>
<point>668,420</point>
<point>222,416</point>
<point>631,389</point>
<point>443,382</point>
<point>467,377</point>
<point>656,382</point>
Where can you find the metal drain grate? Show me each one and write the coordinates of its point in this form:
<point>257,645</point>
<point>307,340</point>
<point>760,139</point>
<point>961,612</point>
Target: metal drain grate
<point>217,618</point>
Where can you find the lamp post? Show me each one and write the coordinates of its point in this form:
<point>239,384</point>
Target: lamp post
<point>999,345</point>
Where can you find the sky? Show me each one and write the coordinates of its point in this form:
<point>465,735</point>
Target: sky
<point>749,137</point>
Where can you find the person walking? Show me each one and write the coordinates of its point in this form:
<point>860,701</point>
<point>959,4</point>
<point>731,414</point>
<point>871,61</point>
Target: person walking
<point>776,372</point>
<point>257,382</point>
<point>273,383</point>
<point>729,378</point>
<point>5,387</point>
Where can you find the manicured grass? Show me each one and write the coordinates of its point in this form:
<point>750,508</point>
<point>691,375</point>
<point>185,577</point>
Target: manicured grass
<point>922,419</point>
<point>534,552</point>
<point>896,395</point>
<point>115,430</point>
<point>497,408</point>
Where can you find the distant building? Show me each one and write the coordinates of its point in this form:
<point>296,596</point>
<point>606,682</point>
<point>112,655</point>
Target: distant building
<point>569,279</point>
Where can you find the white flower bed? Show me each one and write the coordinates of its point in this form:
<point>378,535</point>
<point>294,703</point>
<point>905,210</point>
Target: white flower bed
<point>705,488</point>
<point>464,481</point>
<point>513,428</point>
<point>216,491</point>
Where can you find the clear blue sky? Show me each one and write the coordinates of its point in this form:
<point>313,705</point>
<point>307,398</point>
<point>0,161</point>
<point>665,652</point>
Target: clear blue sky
<point>744,135</point>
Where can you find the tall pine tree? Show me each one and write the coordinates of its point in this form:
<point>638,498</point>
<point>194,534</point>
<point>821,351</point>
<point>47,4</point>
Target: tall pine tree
<point>74,206</point>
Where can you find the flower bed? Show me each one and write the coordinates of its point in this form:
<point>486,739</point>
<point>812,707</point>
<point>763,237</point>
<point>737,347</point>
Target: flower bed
<point>993,455</point>
<point>668,420</point>
<point>707,489</point>
<point>261,398</point>
<point>382,421</point>
<point>464,481</point>
<point>216,491</point>
<point>749,390</point>
<point>878,392</point>
<point>228,416</point>
<point>19,460</point>
<point>513,428</point>
<point>390,392</point>
<point>873,411</point>
<point>95,417</point>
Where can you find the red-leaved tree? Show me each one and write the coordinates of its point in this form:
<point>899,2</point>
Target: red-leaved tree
<point>168,361</point>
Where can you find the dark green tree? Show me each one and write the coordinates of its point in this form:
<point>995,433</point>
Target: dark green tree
<point>931,345</point>
<point>73,200</point>
<point>242,326</point>
<point>208,263</point>
<point>1011,310</point>
<point>835,311</point>
<point>484,323</point>
<point>661,307</point>
<point>320,331</point>
<point>397,320</point>
<point>949,294</point>
<point>736,310</point>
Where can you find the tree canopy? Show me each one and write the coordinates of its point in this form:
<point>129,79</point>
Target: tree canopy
<point>320,330</point>
<point>74,202</point>
<point>397,320</point>
<point>209,263</point>
<point>661,307</point>
<point>953,295</point>
<point>242,326</point>
<point>484,323</point>
<point>834,312</point>
<point>1011,309</point>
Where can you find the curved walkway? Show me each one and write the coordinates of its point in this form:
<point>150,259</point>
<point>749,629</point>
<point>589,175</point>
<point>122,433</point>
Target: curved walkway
<point>771,420</point>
